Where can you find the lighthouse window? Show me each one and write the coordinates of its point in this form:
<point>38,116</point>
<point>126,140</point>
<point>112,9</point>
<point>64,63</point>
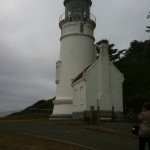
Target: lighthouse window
<point>58,68</point>
<point>81,28</point>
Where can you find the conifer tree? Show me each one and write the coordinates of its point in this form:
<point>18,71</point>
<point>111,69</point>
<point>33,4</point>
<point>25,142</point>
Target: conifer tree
<point>114,54</point>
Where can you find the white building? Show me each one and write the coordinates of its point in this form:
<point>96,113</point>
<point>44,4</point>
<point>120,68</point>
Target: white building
<point>82,80</point>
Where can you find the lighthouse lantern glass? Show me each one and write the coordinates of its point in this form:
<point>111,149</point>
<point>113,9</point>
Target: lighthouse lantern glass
<point>77,8</point>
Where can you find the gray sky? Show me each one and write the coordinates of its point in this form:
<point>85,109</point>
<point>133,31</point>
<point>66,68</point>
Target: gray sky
<point>29,42</point>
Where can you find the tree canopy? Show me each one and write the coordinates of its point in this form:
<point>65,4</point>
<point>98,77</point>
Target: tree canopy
<point>135,65</point>
<point>114,54</point>
<point>148,27</point>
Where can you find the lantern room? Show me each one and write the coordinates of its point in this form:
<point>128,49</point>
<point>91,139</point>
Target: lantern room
<point>77,8</point>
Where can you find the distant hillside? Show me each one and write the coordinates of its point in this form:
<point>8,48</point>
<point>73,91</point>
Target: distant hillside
<point>43,104</point>
<point>41,109</point>
<point>6,113</point>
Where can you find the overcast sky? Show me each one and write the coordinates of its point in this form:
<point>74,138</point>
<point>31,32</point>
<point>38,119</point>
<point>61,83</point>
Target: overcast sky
<point>29,43</point>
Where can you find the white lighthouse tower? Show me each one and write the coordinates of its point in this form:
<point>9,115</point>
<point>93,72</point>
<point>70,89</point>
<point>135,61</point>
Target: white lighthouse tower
<point>76,53</point>
<point>81,78</point>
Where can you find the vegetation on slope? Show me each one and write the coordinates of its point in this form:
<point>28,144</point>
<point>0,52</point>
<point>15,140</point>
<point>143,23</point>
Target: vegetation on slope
<point>40,110</point>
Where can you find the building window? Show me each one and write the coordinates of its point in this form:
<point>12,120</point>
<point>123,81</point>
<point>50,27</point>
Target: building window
<point>81,95</point>
<point>82,28</point>
<point>58,71</point>
<point>75,97</point>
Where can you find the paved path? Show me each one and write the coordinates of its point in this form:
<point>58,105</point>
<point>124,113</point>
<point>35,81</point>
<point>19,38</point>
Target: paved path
<point>91,136</point>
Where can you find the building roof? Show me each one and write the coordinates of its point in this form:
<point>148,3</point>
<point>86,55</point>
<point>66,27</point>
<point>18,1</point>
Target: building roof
<point>80,75</point>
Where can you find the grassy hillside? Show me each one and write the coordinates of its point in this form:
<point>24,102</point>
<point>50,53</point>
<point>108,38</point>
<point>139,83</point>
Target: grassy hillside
<point>40,110</point>
<point>43,104</point>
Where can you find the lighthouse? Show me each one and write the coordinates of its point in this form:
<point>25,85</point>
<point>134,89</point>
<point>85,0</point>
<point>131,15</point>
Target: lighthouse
<point>79,74</point>
<point>77,50</point>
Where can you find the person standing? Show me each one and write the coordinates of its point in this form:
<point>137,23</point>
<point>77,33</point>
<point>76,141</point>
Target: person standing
<point>144,122</point>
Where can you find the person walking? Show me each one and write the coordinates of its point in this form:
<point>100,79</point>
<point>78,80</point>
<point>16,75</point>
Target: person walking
<point>144,122</point>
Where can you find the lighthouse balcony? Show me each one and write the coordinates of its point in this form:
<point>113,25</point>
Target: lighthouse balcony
<point>74,17</point>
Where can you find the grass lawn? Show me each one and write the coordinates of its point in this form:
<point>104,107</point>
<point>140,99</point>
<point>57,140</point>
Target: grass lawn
<point>17,141</point>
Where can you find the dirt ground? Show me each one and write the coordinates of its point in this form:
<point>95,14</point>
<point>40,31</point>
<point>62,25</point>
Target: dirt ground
<point>17,141</point>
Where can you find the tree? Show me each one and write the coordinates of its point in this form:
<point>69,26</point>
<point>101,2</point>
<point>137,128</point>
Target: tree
<point>148,27</point>
<point>114,54</point>
<point>136,70</point>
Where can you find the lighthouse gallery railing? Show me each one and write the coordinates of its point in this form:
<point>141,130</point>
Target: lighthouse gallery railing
<point>71,17</point>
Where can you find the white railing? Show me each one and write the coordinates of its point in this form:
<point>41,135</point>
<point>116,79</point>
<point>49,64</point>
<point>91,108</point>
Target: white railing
<point>65,17</point>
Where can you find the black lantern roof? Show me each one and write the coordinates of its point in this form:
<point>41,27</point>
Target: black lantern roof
<point>66,1</point>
